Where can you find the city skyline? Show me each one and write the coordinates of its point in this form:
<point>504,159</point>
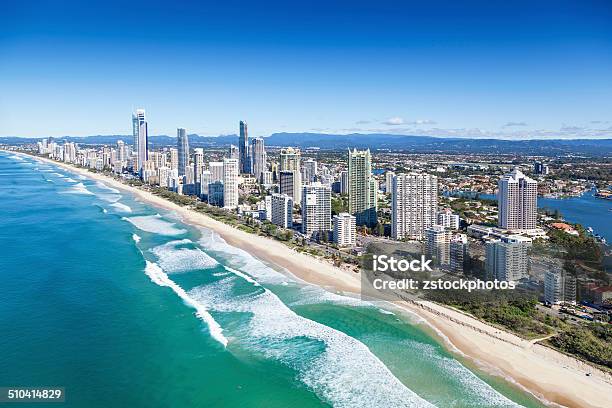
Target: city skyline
<point>477,70</point>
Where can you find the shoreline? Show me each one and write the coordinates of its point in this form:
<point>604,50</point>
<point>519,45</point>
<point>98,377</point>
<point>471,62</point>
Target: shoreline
<point>551,376</point>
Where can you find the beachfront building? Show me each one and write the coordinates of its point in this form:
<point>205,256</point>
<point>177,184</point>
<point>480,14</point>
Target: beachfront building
<point>414,202</point>
<point>140,133</point>
<point>458,252</point>
<point>182,146</point>
<point>362,187</point>
<point>230,183</point>
<point>259,158</point>
<point>559,287</point>
<point>316,210</point>
<point>198,168</point>
<point>243,149</point>
<point>216,170</point>
<point>281,210</point>
<point>345,230</point>
<point>437,244</point>
<point>517,200</point>
<point>216,193</point>
<point>290,184</point>
<point>507,258</point>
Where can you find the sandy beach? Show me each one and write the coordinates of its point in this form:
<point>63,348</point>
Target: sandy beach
<point>551,376</point>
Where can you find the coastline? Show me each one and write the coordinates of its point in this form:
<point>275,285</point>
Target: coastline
<point>550,375</point>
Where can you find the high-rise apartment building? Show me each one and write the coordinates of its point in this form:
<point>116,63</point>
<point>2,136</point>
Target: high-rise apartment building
<point>414,202</point>
<point>174,158</point>
<point>458,253</point>
<point>259,158</point>
<point>182,145</point>
<point>517,201</point>
<point>216,170</point>
<point>281,210</point>
<point>507,258</point>
<point>362,188</point>
<point>233,152</point>
<point>141,139</point>
<point>243,149</point>
<point>437,248</point>
<point>559,287</point>
<point>310,171</point>
<point>316,210</point>
<point>345,229</point>
<point>198,167</point>
<point>230,183</point>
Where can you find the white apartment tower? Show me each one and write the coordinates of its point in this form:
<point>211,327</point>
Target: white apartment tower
<point>281,210</point>
<point>345,229</point>
<point>517,199</point>
<point>507,259</point>
<point>230,183</point>
<point>414,202</point>
<point>316,209</point>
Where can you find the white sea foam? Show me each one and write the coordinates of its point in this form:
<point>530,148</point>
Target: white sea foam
<point>177,256</point>
<point>69,180</point>
<point>387,312</point>
<point>486,395</point>
<point>136,238</point>
<point>155,224</point>
<point>15,157</point>
<point>104,186</point>
<point>239,258</point>
<point>339,368</point>
<point>244,261</point>
<point>121,207</point>
<point>109,198</point>
<point>58,174</point>
<point>104,210</point>
<point>79,188</point>
<point>158,277</point>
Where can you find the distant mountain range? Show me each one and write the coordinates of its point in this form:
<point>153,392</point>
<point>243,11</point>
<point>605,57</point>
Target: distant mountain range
<point>416,144</point>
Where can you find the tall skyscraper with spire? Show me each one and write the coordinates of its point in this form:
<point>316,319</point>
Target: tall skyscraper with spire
<point>243,148</point>
<point>182,145</point>
<point>141,139</point>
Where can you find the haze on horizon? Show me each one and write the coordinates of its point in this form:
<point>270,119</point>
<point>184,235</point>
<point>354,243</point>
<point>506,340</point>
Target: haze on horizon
<point>445,68</point>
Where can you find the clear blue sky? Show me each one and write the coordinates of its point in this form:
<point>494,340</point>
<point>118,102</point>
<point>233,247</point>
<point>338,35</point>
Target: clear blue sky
<point>508,69</point>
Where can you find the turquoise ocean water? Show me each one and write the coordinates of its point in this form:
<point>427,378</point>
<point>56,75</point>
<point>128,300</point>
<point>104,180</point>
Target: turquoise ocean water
<point>124,305</point>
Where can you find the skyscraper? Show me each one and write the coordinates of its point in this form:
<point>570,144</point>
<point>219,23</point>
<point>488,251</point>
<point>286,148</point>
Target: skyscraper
<point>259,158</point>
<point>458,253</point>
<point>198,167</point>
<point>517,200</point>
<point>182,145</point>
<point>316,210</point>
<point>414,201</point>
<point>243,148</point>
<point>141,139</point>
<point>362,187</point>
<point>559,287</point>
<point>230,183</point>
<point>290,160</point>
<point>281,210</point>
<point>438,244</point>
<point>344,229</point>
<point>507,259</point>
<point>310,171</point>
